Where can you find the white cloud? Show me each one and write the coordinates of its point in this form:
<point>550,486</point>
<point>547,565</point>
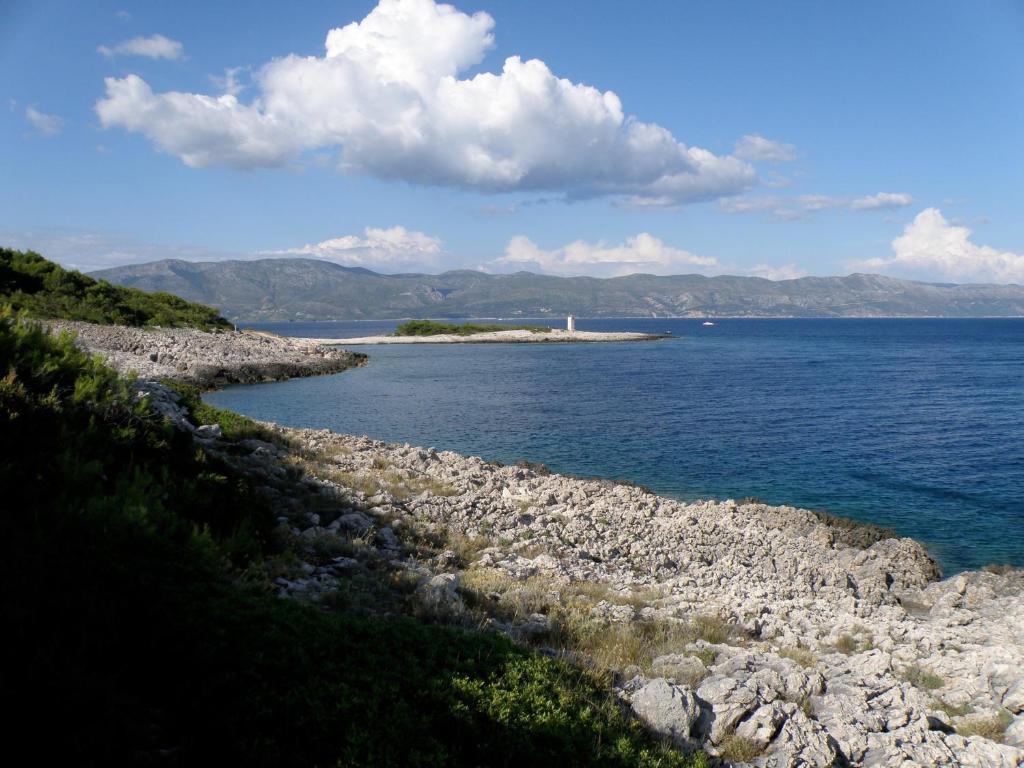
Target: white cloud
<point>228,82</point>
<point>802,206</point>
<point>785,208</point>
<point>48,125</point>
<point>931,246</point>
<point>392,249</point>
<point>781,272</point>
<point>883,201</point>
<point>152,47</point>
<point>388,93</point>
<point>201,130</point>
<point>750,204</point>
<point>757,148</point>
<point>642,253</point>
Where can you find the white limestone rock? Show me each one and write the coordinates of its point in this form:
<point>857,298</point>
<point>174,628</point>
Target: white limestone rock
<point>668,710</point>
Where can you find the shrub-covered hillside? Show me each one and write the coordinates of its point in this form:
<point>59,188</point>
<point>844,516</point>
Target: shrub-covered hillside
<point>43,289</point>
<point>142,629</point>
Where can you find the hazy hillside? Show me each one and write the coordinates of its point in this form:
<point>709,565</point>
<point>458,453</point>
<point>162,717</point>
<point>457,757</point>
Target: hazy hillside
<point>281,289</point>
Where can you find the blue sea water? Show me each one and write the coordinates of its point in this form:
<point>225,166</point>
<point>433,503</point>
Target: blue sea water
<point>913,424</point>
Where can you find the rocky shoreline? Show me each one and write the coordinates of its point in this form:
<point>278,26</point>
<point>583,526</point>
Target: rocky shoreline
<point>768,636</point>
<point>826,654</point>
<point>207,359</point>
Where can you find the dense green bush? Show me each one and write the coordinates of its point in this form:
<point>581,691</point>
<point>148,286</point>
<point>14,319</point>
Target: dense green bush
<point>138,632</point>
<point>432,328</point>
<point>43,289</point>
<point>234,426</point>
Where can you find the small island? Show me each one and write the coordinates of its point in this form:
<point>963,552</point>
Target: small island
<point>433,332</point>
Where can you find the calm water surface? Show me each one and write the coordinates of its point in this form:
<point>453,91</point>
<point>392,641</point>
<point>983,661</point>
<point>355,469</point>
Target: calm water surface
<point>913,424</point>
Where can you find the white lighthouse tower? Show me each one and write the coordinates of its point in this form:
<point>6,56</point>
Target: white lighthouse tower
<point>570,324</point>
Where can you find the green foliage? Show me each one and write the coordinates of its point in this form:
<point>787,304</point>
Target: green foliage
<point>43,289</point>
<point>134,636</point>
<point>234,426</point>
<point>922,678</point>
<point>432,328</point>
<point>953,710</point>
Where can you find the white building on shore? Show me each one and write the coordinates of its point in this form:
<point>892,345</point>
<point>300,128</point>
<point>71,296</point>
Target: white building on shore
<point>570,324</point>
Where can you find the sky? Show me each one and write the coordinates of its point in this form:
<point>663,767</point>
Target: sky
<point>572,138</point>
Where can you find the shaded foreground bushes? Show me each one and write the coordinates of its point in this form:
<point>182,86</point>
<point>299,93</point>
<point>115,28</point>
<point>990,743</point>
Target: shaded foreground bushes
<point>140,629</point>
<point>43,289</point>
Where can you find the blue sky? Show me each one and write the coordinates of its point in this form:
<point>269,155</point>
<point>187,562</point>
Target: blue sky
<point>774,139</point>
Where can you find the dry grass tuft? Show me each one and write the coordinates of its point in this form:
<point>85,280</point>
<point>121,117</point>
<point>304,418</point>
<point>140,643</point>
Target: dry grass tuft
<point>711,628</point>
<point>739,749</point>
<point>616,646</point>
<point>803,656</point>
<point>329,453</point>
<point>466,548</point>
<point>846,644</point>
<point>368,485</point>
<point>991,727</point>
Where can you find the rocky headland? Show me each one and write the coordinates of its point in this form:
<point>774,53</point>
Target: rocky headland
<point>768,636</point>
<point>207,359</point>
<point>554,336</point>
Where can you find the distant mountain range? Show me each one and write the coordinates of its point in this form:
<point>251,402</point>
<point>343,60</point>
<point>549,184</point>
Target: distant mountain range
<point>310,289</point>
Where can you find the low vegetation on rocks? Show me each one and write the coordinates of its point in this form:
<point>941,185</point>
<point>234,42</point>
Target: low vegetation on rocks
<point>434,328</point>
<point>988,727</point>
<point>504,613</point>
<point>922,678</point>
<point>138,568</point>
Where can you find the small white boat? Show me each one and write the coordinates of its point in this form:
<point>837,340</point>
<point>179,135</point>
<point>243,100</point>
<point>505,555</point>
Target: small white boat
<point>707,322</point>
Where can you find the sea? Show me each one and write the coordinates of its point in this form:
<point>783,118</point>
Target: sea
<point>912,424</point>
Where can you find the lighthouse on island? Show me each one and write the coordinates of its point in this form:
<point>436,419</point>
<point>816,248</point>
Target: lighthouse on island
<point>570,324</point>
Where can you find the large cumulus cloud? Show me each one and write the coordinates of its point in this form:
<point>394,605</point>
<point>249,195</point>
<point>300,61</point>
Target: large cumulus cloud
<point>387,93</point>
<point>931,246</point>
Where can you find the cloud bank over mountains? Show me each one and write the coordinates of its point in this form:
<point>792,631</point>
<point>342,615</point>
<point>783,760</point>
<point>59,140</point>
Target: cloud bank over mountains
<point>389,96</point>
<point>640,253</point>
<point>391,249</point>
<point>930,245</point>
<point>930,248</point>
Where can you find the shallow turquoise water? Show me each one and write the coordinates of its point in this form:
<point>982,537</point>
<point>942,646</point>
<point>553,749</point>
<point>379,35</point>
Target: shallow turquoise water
<point>913,424</point>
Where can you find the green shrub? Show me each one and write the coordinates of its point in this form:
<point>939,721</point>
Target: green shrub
<point>234,426</point>
<point>953,710</point>
<point>432,328</point>
<point>922,678</point>
<point>32,284</point>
